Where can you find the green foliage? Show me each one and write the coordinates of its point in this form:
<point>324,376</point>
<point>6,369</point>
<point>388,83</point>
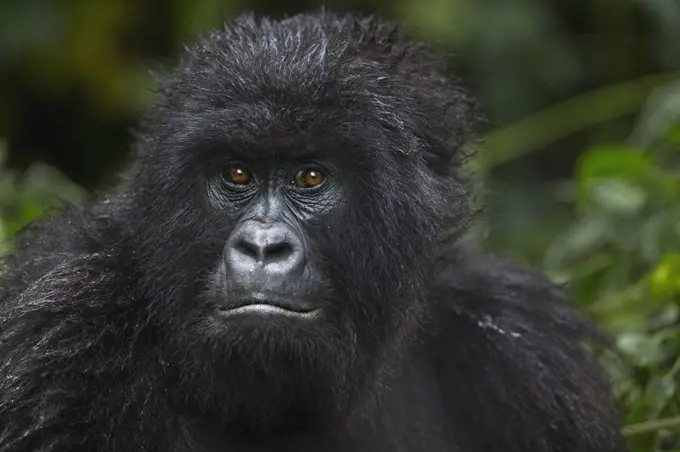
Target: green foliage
<point>621,258</point>
<point>25,197</point>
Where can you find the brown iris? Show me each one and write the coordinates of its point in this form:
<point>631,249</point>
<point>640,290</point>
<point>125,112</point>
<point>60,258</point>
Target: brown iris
<point>309,178</point>
<point>239,174</point>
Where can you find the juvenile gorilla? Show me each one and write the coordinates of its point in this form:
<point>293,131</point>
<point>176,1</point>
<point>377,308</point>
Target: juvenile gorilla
<point>282,270</point>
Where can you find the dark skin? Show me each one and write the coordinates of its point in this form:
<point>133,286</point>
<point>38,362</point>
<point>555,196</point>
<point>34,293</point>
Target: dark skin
<point>283,269</point>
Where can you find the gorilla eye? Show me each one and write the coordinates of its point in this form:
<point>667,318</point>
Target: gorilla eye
<point>239,174</point>
<point>309,178</point>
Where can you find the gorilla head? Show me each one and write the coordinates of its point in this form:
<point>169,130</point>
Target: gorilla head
<point>293,186</point>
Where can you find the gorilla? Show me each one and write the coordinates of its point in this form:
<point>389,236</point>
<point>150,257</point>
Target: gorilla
<point>284,267</point>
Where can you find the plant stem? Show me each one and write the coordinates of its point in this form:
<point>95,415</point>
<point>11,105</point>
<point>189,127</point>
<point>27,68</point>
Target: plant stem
<point>560,120</point>
<point>651,426</point>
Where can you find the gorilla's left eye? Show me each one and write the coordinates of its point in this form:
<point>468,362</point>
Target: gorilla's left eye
<point>309,178</point>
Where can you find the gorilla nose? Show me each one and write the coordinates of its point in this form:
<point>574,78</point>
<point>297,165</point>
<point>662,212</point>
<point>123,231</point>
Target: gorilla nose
<point>270,247</point>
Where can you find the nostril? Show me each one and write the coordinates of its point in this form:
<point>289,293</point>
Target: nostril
<point>265,247</point>
<point>248,249</point>
<point>264,252</point>
<point>278,251</point>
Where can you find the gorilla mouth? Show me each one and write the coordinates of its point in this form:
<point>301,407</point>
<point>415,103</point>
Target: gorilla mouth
<point>270,306</point>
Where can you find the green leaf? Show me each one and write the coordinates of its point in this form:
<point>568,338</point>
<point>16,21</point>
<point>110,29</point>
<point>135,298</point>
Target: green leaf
<point>619,166</point>
<point>612,161</point>
<point>673,135</point>
<point>664,280</point>
<point>582,239</point>
<point>616,195</point>
<point>660,391</point>
<point>644,350</point>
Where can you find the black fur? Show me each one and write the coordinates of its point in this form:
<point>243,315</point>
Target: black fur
<point>430,346</point>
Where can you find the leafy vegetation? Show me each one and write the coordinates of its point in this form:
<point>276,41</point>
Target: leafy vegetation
<point>621,259</point>
<point>26,197</point>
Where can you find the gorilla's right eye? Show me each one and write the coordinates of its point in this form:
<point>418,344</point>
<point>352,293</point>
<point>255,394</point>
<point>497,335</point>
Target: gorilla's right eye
<point>238,174</point>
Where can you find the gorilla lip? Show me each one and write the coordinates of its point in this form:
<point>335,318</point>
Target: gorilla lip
<point>274,306</point>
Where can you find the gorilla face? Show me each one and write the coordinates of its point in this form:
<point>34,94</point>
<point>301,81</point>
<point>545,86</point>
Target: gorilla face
<point>291,245</point>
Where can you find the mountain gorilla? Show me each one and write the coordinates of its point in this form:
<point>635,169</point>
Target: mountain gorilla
<point>283,269</point>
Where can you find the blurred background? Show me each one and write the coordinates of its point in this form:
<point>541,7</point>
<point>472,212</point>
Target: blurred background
<point>580,161</point>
